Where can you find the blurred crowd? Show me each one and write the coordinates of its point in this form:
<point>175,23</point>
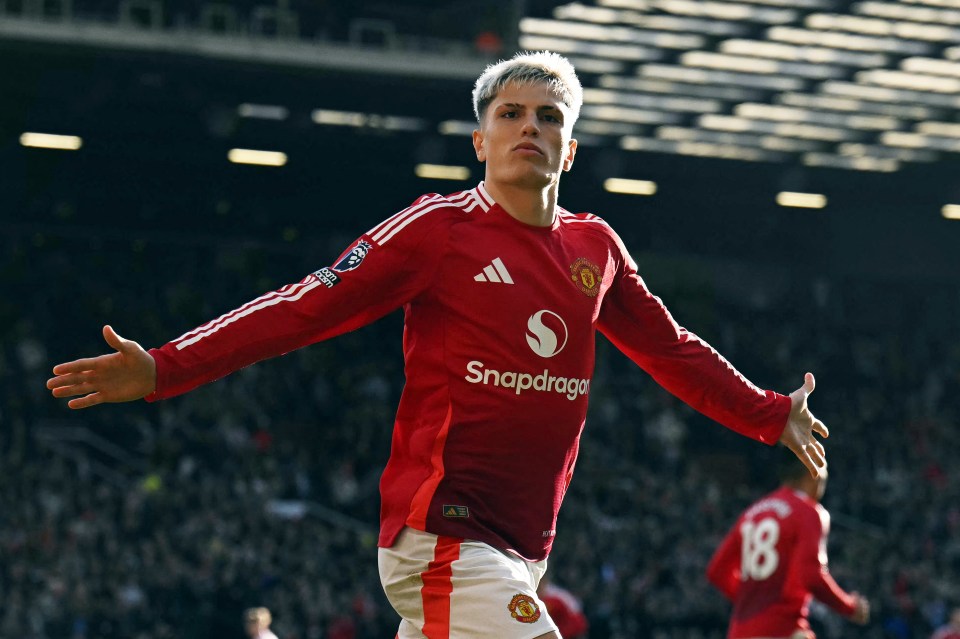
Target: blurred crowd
<point>396,24</point>
<point>221,499</point>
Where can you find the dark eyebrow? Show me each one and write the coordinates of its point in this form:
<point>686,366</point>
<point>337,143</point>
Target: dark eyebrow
<point>515,105</point>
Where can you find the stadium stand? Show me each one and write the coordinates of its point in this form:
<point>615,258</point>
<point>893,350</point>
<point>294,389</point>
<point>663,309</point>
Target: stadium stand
<point>210,507</point>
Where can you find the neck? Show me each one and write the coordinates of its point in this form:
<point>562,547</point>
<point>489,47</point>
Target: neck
<point>536,207</point>
<point>809,488</point>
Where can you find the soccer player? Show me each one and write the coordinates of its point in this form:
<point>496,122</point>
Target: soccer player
<point>503,292</point>
<point>256,623</point>
<point>774,561</point>
<point>950,630</point>
<point>564,608</point>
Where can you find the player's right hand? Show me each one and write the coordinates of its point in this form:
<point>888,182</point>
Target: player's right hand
<point>861,610</point>
<point>126,375</point>
<point>798,434</point>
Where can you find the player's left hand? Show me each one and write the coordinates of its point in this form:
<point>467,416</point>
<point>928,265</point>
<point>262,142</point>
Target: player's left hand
<point>801,425</point>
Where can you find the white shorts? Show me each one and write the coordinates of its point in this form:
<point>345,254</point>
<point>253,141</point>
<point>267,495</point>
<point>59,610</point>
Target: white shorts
<point>450,588</point>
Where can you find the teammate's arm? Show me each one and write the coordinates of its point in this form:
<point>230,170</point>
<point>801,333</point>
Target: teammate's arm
<point>823,586</point>
<point>812,559</point>
<point>723,571</point>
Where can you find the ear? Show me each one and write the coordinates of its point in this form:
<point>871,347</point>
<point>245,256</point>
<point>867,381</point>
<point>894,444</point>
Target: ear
<point>570,154</point>
<point>478,147</point>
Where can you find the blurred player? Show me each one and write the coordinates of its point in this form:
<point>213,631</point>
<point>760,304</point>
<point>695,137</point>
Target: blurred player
<point>256,622</point>
<point>774,561</point>
<point>951,630</point>
<point>503,292</point>
<point>564,608</point>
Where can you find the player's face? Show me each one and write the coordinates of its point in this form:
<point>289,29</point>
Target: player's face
<point>525,137</point>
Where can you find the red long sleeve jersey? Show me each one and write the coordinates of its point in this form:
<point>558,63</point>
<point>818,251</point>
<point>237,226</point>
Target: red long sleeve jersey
<point>500,321</point>
<point>772,562</point>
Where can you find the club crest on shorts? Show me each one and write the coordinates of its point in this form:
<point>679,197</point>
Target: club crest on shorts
<point>523,608</point>
<point>353,259</point>
<point>586,275</point>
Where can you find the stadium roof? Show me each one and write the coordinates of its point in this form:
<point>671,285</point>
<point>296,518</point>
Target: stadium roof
<point>866,85</point>
<point>719,119</point>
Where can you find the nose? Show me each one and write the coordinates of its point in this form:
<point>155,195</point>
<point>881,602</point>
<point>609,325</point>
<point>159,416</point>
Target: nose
<point>531,125</point>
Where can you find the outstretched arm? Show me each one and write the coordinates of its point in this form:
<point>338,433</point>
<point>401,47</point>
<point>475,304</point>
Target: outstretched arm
<point>126,375</point>
<point>801,425</point>
<point>639,324</point>
<point>376,274</point>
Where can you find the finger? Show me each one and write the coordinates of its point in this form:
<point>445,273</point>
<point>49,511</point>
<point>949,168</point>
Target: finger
<point>821,428</point>
<point>804,457</point>
<point>115,341</point>
<point>817,456</point>
<point>820,448</point>
<point>809,383</point>
<point>65,380</point>
<point>86,402</point>
<point>75,389</point>
<point>76,366</point>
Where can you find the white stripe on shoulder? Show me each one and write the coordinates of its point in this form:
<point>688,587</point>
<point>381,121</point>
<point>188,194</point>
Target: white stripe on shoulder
<point>478,193</point>
<point>285,291</point>
<point>483,198</point>
<point>248,309</point>
<point>583,218</point>
<point>393,219</point>
<point>399,223</point>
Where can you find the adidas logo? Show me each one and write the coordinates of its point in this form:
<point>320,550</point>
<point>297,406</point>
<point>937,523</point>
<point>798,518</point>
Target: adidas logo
<point>495,272</point>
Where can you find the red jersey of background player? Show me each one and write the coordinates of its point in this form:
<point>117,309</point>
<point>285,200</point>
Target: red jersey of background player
<point>500,323</point>
<point>774,560</point>
<point>564,608</point>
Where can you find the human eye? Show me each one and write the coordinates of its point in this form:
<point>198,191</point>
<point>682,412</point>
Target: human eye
<point>550,117</point>
<point>508,114</point>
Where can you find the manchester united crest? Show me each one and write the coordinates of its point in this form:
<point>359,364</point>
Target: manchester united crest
<point>586,275</point>
<point>524,609</point>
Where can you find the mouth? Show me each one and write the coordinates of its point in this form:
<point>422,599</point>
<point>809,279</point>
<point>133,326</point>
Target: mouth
<point>528,147</point>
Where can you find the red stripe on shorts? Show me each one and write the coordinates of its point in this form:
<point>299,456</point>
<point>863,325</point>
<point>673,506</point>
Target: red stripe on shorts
<point>437,586</point>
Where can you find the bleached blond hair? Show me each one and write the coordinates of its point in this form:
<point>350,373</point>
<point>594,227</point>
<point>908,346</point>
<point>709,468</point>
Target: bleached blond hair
<point>527,68</point>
